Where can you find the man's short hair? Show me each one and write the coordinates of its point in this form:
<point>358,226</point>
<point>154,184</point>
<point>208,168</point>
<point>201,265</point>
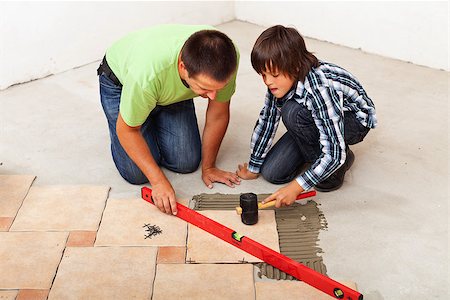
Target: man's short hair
<point>282,49</point>
<point>209,52</point>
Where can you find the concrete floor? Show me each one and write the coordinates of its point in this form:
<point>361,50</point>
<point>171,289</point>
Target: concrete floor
<point>388,224</point>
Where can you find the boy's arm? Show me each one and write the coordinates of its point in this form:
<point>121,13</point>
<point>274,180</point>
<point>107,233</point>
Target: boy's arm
<point>264,133</point>
<point>329,119</point>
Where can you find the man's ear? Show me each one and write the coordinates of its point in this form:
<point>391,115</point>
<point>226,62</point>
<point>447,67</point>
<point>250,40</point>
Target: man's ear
<point>182,67</point>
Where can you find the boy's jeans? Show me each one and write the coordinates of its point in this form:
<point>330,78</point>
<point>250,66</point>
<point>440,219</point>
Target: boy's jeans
<point>171,133</point>
<point>300,144</point>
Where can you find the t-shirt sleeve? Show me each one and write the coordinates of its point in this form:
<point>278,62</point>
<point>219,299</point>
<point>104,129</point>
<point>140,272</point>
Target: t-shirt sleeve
<point>225,94</point>
<point>136,102</point>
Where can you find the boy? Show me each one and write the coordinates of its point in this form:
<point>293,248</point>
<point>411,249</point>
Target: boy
<point>323,107</point>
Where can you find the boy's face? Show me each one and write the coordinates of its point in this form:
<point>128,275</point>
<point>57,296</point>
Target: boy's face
<point>278,83</point>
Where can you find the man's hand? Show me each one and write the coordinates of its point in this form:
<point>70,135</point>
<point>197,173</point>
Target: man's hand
<point>286,195</point>
<point>211,175</point>
<point>244,173</point>
<point>137,149</point>
<point>164,198</point>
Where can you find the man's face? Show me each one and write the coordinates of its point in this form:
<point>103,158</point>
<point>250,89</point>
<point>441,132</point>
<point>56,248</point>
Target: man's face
<point>278,83</point>
<point>204,86</point>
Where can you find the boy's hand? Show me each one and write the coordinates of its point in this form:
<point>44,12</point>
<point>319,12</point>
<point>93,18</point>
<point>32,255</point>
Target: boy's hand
<point>286,195</point>
<point>244,173</point>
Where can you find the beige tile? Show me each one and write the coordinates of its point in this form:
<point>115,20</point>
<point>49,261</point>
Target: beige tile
<point>204,281</point>
<point>29,259</point>
<point>61,208</point>
<point>291,290</point>
<point>5,223</point>
<point>32,295</point>
<point>171,255</point>
<point>8,294</point>
<point>204,247</point>
<point>13,189</point>
<point>105,273</point>
<point>123,225</point>
<point>81,239</point>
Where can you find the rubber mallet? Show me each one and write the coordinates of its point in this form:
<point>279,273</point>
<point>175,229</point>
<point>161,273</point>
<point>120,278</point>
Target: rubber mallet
<point>249,206</point>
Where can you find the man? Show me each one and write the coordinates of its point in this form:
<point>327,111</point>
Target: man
<point>147,82</point>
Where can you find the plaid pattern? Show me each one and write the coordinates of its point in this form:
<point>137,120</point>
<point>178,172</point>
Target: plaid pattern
<point>328,91</point>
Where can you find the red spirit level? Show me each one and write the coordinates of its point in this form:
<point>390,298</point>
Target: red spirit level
<point>278,260</point>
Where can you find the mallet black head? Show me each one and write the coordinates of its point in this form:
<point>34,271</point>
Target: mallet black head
<point>249,204</point>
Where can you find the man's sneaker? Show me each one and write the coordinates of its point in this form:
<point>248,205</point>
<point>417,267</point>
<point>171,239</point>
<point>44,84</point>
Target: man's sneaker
<point>336,179</point>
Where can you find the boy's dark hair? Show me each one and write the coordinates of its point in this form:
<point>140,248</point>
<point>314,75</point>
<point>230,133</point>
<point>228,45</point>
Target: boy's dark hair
<point>283,49</point>
<point>209,52</point>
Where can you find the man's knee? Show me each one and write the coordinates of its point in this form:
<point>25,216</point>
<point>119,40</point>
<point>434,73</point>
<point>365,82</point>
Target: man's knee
<point>185,165</point>
<point>130,172</point>
<point>136,181</point>
<point>134,177</point>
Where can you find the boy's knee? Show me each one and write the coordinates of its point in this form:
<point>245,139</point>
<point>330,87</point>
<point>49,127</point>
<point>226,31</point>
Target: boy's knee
<point>272,177</point>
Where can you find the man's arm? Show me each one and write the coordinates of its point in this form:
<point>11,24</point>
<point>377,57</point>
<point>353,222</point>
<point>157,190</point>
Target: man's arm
<point>217,118</point>
<point>137,149</point>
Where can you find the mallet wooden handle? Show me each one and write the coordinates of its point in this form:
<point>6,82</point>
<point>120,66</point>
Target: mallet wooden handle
<point>272,203</point>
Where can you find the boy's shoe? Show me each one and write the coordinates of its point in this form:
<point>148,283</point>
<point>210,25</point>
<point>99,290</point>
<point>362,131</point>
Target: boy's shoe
<point>336,179</point>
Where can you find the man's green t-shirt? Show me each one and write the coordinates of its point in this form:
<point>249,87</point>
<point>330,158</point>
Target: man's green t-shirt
<point>146,63</point>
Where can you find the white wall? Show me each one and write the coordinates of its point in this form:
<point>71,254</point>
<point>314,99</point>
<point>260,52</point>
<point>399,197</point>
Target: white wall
<point>42,38</point>
<point>417,32</point>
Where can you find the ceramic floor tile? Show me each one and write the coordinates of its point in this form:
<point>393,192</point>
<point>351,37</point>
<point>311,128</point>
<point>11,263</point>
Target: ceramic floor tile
<point>128,222</point>
<point>32,295</point>
<point>81,239</point>
<point>105,273</point>
<point>204,247</point>
<point>29,259</point>
<point>8,294</point>
<point>13,189</point>
<point>5,223</point>
<point>171,255</point>
<point>61,208</point>
<point>291,290</point>
<point>204,281</point>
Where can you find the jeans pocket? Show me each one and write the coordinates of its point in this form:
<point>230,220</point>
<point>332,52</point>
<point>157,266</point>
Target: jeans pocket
<point>106,82</point>
<point>110,97</point>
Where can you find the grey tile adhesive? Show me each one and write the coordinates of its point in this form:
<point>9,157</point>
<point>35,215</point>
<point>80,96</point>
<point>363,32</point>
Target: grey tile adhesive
<point>298,229</point>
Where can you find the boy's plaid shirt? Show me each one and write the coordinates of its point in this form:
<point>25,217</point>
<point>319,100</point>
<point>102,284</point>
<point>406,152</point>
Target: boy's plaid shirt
<point>327,92</point>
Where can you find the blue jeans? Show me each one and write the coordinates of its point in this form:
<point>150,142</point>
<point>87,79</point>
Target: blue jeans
<point>300,144</point>
<point>171,133</point>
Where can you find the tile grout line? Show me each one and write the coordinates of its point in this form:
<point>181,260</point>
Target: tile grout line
<point>21,204</point>
<point>254,281</point>
<point>59,264</point>
<point>154,277</point>
<point>101,217</point>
